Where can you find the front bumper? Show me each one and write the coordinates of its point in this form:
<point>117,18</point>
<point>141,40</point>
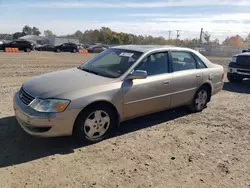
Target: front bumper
<point>44,124</point>
<point>239,72</point>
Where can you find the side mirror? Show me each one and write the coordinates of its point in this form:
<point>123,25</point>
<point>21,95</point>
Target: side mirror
<point>137,74</point>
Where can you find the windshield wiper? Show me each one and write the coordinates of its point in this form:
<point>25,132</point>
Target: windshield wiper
<point>90,71</point>
<point>96,73</point>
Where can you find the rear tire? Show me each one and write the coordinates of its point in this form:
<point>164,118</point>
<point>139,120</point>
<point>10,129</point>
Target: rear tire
<point>95,124</point>
<point>234,79</point>
<point>200,100</point>
<point>58,50</point>
<point>27,50</point>
<point>74,51</point>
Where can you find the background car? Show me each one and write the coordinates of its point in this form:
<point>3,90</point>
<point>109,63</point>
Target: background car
<point>239,67</point>
<point>67,47</point>
<point>80,46</point>
<point>22,45</point>
<point>97,48</point>
<point>246,50</point>
<point>45,47</point>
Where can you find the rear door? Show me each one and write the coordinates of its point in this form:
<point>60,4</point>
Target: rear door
<point>187,78</point>
<point>64,47</point>
<point>23,45</point>
<point>70,47</point>
<point>144,96</point>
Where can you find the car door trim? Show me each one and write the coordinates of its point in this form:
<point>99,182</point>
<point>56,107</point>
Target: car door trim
<point>146,99</point>
<point>159,96</point>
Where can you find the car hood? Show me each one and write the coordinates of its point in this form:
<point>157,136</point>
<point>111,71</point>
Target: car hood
<point>52,84</point>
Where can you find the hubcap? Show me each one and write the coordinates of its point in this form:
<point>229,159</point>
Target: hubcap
<point>201,100</point>
<point>96,124</point>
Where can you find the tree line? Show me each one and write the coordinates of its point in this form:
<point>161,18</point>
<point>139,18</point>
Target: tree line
<point>107,36</point>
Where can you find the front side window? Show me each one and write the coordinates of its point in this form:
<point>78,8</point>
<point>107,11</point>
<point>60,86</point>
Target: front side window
<point>111,62</point>
<point>183,61</point>
<point>155,64</point>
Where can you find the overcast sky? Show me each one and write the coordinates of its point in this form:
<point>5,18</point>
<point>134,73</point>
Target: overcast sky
<point>221,18</point>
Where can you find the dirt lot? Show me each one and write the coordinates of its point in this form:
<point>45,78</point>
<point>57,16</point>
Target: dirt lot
<point>167,149</point>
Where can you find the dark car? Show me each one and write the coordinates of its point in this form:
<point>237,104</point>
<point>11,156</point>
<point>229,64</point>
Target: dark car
<point>92,44</point>
<point>22,45</point>
<point>97,48</point>
<point>46,47</point>
<point>67,47</point>
<point>239,67</point>
<point>247,50</point>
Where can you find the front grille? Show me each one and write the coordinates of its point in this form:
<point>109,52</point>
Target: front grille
<point>244,71</point>
<point>25,97</point>
<point>243,61</point>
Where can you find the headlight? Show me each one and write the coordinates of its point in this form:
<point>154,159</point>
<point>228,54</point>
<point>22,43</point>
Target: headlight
<point>49,105</point>
<point>234,59</point>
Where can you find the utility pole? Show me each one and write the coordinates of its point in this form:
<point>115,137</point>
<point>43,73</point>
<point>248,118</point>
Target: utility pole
<point>201,35</point>
<point>178,35</point>
<point>169,35</point>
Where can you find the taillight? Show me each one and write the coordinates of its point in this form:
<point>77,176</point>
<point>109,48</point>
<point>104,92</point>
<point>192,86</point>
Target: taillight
<point>222,76</point>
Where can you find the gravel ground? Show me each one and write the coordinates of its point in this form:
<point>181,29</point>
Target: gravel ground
<point>168,149</point>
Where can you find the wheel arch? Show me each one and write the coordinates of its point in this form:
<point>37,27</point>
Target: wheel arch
<point>101,103</point>
<point>209,87</point>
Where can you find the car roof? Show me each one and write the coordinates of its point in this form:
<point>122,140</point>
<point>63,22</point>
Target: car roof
<point>147,48</point>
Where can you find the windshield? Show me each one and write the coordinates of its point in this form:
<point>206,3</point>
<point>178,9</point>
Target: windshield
<point>111,62</point>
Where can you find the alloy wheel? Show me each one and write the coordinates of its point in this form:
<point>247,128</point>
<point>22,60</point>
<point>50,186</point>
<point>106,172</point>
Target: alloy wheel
<point>96,124</point>
<point>201,100</point>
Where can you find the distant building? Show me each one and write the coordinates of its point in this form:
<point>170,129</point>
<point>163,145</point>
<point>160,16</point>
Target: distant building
<point>40,40</point>
<point>60,40</point>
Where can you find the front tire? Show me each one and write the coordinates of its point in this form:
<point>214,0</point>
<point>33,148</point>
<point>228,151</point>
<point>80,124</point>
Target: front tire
<point>95,124</point>
<point>234,79</point>
<point>58,50</point>
<point>200,100</point>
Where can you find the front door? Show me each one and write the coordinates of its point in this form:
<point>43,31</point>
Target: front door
<point>144,96</point>
<point>187,78</point>
<point>14,44</point>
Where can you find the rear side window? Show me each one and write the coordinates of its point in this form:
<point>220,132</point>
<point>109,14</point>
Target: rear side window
<point>183,61</point>
<point>200,63</point>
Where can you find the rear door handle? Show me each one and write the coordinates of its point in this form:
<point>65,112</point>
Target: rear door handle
<point>198,76</point>
<point>166,82</point>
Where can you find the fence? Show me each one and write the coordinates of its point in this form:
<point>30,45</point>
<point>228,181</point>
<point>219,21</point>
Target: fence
<point>218,50</point>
